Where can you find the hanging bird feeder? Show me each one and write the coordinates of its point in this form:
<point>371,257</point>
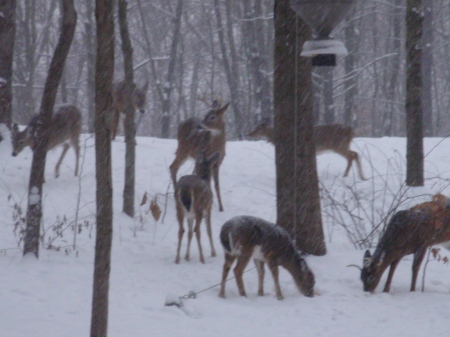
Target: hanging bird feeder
<point>322,16</point>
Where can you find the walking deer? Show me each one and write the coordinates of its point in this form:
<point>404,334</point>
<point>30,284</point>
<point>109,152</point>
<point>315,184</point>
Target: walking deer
<point>247,237</point>
<point>194,201</point>
<point>409,231</point>
<point>191,142</point>
<point>119,103</point>
<point>328,137</point>
<point>65,128</point>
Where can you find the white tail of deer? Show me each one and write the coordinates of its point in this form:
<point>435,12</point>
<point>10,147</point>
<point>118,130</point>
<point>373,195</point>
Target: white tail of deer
<point>65,129</point>
<point>193,201</point>
<point>328,137</point>
<point>119,103</point>
<point>246,237</point>
<point>191,141</point>
<point>409,231</point>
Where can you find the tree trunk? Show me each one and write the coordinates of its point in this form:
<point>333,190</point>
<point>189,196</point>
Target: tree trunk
<point>7,39</point>
<point>90,55</point>
<point>130,129</point>
<point>34,209</point>
<point>414,120</point>
<point>350,85</point>
<point>427,69</point>
<point>298,203</point>
<point>167,88</point>
<point>104,74</point>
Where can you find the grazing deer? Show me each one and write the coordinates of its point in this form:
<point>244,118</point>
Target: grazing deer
<point>246,237</point>
<point>191,142</point>
<point>328,137</point>
<point>409,231</point>
<point>194,200</point>
<point>65,128</point>
<point>119,103</point>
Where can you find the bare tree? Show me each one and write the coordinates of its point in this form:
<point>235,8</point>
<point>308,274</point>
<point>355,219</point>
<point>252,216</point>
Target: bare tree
<point>298,203</point>
<point>130,129</point>
<point>55,71</point>
<point>414,115</point>
<point>104,74</point>
<point>7,39</point>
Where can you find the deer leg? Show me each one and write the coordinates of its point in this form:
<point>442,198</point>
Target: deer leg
<point>274,269</point>
<point>358,163</point>
<point>217,186</point>
<point>260,267</point>
<point>198,221</point>
<point>387,286</point>
<point>229,259</point>
<point>418,258</point>
<point>239,271</point>
<point>76,147</point>
<point>349,157</point>
<point>58,164</point>
<point>180,217</point>
<point>209,231</point>
<point>190,234</point>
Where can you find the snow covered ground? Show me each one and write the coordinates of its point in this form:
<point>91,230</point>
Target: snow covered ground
<point>52,296</point>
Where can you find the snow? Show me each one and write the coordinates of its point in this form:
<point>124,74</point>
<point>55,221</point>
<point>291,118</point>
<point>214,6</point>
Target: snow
<point>52,296</point>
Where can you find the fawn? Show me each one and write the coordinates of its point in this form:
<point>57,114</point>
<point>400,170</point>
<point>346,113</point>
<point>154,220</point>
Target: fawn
<point>247,237</point>
<point>120,104</point>
<point>409,231</point>
<point>65,128</point>
<point>191,142</point>
<point>328,137</point>
<point>194,199</point>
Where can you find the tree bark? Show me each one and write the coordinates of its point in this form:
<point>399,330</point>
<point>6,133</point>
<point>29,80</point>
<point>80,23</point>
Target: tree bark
<point>167,87</point>
<point>414,117</point>
<point>130,128</point>
<point>298,203</point>
<point>7,39</point>
<point>104,74</point>
<point>427,68</point>
<point>34,209</point>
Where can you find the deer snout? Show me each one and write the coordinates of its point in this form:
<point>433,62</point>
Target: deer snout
<point>142,111</point>
<point>14,154</point>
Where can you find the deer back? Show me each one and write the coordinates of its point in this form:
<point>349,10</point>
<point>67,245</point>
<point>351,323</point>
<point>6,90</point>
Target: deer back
<point>332,137</point>
<point>65,124</point>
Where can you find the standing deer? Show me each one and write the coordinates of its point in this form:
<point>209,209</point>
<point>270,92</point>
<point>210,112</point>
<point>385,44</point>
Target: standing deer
<point>246,237</point>
<point>191,142</point>
<point>328,137</point>
<point>193,201</point>
<point>65,128</point>
<point>409,231</point>
<point>119,103</point>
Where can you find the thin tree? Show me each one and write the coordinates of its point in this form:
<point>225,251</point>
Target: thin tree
<point>7,39</point>
<point>34,209</point>
<point>104,74</point>
<point>298,203</point>
<point>414,115</point>
<point>130,129</point>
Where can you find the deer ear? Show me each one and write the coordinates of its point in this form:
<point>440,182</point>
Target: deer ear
<point>367,259</point>
<point>223,109</point>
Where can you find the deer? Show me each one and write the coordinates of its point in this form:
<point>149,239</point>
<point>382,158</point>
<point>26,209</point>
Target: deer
<point>194,200</point>
<point>409,231</point>
<point>65,129</point>
<point>247,237</point>
<point>191,141</point>
<point>328,137</point>
<point>119,103</point>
